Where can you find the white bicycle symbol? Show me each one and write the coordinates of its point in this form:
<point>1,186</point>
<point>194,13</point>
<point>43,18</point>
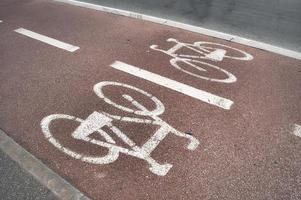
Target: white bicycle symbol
<point>97,120</point>
<point>204,51</point>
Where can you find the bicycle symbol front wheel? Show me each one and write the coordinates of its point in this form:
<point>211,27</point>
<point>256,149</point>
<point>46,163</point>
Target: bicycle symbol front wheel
<point>231,52</point>
<point>159,107</point>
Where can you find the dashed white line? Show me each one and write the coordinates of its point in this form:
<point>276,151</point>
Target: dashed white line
<point>47,40</point>
<point>297,130</point>
<point>1,21</point>
<point>174,85</point>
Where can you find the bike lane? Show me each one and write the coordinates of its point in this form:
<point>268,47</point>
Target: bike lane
<point>245,150</point>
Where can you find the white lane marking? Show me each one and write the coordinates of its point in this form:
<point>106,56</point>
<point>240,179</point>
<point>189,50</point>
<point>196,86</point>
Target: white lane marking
<point>297,130</point>
<point>174,85</point>
<point>188,27</point>
<point>97,120</point>
<point>47,40</point>
<point>1,21</point>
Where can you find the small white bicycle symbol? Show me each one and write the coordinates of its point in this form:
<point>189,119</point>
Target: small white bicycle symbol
<point>97,120</point>
<point>203,51</point>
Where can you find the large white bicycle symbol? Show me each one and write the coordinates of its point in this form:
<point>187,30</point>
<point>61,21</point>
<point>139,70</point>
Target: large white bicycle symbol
<point>205,51</point>
<point>98,120</point>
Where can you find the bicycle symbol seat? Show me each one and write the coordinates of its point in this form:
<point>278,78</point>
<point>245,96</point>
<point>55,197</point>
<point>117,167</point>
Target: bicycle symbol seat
<point>96,121</point>
<point>201,53</point>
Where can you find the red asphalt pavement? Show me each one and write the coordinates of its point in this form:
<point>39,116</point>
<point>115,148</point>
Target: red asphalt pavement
<point>246,152</point>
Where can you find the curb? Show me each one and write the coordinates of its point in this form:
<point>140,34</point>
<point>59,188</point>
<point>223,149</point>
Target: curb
<point>56,184</point>
<point>195,29</point>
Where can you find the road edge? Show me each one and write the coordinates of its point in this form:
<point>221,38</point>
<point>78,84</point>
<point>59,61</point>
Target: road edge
<point>191,28</point>
<point>56,184</point>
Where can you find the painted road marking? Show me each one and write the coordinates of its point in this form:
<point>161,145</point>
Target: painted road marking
<point>174,85</point>
<point>1,21</point>
<point>97,120</point>
<point>205,51</point>
<point>217,55</point>
<point>47,40</point>
<point>297,130</point>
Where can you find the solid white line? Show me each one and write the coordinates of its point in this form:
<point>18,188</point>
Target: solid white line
<point>297,130</point>
<point>174,85</point>
<point>196,29</point>
<point>48,40</point>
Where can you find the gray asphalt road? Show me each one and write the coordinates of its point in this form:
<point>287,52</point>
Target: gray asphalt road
<point>16,184</point>
<point>276,22</point>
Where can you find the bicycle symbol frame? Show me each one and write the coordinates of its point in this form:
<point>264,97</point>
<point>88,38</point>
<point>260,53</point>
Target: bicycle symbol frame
<point>97,120</point>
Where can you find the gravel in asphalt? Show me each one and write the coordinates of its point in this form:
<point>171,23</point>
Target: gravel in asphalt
<point>15,183</point>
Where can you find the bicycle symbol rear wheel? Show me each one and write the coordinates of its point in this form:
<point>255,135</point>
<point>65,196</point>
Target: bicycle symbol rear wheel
<point>111,156</point>
<point>197,66</point>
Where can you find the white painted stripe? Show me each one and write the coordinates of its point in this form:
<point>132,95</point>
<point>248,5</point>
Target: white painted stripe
<point>1,21</point>
<point>196,29</point>
<point>297,130</point>
<point>174,85</point>
<point>47,40</point>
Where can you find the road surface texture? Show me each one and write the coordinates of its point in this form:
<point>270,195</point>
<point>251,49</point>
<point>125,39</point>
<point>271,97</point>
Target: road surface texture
<point>15,183</point>
<point>123,110</point>
<point>269,21</point>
